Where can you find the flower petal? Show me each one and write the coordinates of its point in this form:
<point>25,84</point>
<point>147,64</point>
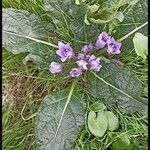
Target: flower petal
<point>75,72</point>
<point>61,45</point>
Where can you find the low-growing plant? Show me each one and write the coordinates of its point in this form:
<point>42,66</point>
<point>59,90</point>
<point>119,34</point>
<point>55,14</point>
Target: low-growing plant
<point>81,47</point>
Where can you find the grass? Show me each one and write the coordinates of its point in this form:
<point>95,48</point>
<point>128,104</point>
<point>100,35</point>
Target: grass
<point>19,106</point>
<point>16,132</point>
<point>24,87</point>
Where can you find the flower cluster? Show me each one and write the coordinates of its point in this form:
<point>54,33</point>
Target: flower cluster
<point>85,59</point>
<point>108,42</point>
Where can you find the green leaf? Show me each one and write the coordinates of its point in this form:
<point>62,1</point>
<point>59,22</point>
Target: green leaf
<point>97,123</point>
<point>97,106</point>
<point>93,8</point>
<point>69,19</point>
<point>112,121</point>
<point>58,9</point>
<point>110,3</point>
<point>105,15</point>
<point>59,120</point>
<point>106,12</point>
<point>37,60</point>
<point>123,143</point>
<point>140,45</point>
<point>78,2</point>
<point>119,16</point>
<point>23,32</point>
<point>132,2</point>
<point>135,20</point>
<point>114,83</point>
<point>86,20</point>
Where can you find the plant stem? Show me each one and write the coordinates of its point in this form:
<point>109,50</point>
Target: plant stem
<point>133,31</point>
<point>28,37</point>
<point>65,107</point>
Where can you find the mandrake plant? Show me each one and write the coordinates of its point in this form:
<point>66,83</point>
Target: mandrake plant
<point>81,44</point>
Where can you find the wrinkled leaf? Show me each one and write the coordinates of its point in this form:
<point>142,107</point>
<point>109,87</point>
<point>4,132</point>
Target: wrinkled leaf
<point>112,121</point>
<point>59,120</point>
<point>22,32</point>
<point>112,12</point>
<point>140,45</point>
<point>97,106</point>
<point>69,17</point>
<point>132,2</point>
<point>115,83</point>
<point>103,16</point>
<point>97,123</point>
<point>108,3</point>
<point>107,12</point>
<point>58,9</point>
<point>135,17</point>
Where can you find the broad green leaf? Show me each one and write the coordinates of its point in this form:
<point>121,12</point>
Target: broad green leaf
<point>140,45</point>
<point>112,121</point>
<point>59,120</point>
<point>69,19</point>
<point>120,2</point>
<point>114,83</point>
<point>132,2</point>
<point>123,143</point>
<point>112,3</point>
<point>135,20</point>
<point>106,12</point>
<point>58,9</point>
<point>108,3</point>
<point>97,123</point>
<point>97,106</point>
<point>23,32</point>
<point>103,16</point>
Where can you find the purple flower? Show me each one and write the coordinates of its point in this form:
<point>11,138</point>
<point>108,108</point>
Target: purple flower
<point>81,56</point>
<point>90,57</point>
<point>65,51</point>
<point>82,64</point>
<point>75,72</point>
<point>94,63</point>
<point>87,48</point>
<point>113,47</point>
<point>55,67</point>
<point>102,39</point>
